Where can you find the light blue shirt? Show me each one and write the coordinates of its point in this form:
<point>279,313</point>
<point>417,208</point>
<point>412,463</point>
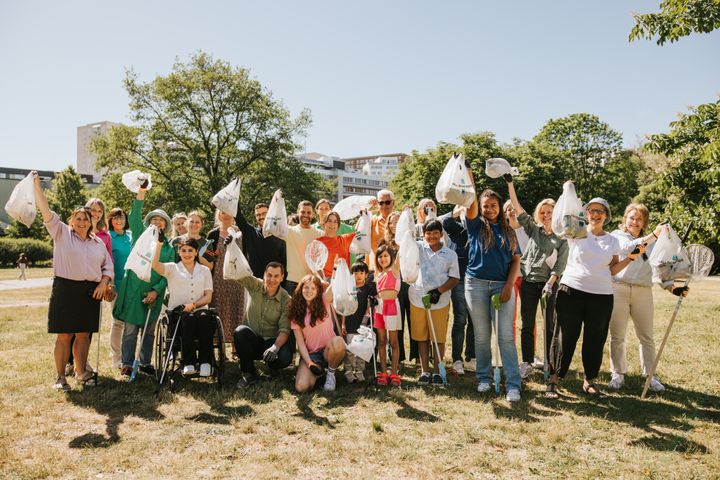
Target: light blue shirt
<point>436,268</point>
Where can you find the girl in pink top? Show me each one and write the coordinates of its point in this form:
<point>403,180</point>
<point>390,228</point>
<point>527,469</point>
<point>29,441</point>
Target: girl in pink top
<point>99,222</point>
<point>387,317</point>
<point>319,347</point>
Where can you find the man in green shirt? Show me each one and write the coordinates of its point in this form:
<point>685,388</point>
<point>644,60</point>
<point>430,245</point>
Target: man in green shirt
<point>265,333</point>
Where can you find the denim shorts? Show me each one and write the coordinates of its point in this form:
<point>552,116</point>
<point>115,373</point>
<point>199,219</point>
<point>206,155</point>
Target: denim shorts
<point>319,357</point>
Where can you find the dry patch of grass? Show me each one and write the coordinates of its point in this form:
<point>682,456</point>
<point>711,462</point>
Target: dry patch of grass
<point>12,273</point>
<point>117,430</point>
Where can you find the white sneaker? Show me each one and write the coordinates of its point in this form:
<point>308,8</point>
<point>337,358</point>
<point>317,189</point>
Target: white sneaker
<point>359,376</point>
<point>329,381</point>
<point>205,370</point>
<point>539,364</point>
<point>513,395</point>
<point>617,380</point>
<point>655,385</point>
<point>525,370</point>
<point>458,367</point>
<point>483,387</point>
<point>188,370</point>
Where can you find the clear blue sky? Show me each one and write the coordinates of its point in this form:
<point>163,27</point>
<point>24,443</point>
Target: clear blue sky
<point>378,76</point>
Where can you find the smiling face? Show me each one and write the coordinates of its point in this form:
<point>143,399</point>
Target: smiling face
<point>180,224</point>
<point>96,211</point>
<point>305,213</point>
<point>273,277</point>
<point>118,222</point>
<point>360,278</point>
<point>596,214</point>
<point>383,260</point>
<point>634,223</point>
<point>386,204</point>
<point>433,238</point>
<point>322,210</point>
<point>392,223</point>
<point>260,214</point>
<point>225,218</point>
<point>80,222</point>
<point>545,215</point>
<point>331,225</point>
<point>309,290</point>
<point>195,224</point>
<point>510,211</point>
<point>490,208</point>
<point>187,254</point>
<point>159,222</point>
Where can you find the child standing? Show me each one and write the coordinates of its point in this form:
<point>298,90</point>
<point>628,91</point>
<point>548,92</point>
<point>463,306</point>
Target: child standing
<point>354,365</point>
<point>387,319</point>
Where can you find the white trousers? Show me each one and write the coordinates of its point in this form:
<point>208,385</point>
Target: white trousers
<point>636,302</point>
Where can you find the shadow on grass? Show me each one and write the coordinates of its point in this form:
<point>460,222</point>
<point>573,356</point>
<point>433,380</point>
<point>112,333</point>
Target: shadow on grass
<point>306,412</point>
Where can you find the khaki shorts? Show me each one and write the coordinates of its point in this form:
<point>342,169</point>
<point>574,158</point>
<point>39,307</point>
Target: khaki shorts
<point>419,328</point>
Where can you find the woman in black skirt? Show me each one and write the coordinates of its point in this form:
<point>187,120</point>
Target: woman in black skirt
<point>83,269</point>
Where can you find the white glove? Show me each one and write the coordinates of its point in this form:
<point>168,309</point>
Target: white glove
<point>547,289</point>
<point>271,354</point>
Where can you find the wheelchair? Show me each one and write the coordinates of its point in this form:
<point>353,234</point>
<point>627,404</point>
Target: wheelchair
<point>168,347</point>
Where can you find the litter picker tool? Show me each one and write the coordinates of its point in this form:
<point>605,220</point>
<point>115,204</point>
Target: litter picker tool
<point>496,371</point>
<point>97,358</point>
<point>543,305</point>
<point>373,382</point>
<point>136,362</point>
<point>438,358</point>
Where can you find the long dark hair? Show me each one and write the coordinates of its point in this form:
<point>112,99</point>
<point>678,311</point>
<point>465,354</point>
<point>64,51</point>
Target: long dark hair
<point>509,240</point>
<point>298,307</point>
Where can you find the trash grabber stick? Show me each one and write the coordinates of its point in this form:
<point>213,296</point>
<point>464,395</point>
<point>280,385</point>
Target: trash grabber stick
<point>496,372</point>
<point>136,362</point>
<point>438,357</point>
<point>97,359</point>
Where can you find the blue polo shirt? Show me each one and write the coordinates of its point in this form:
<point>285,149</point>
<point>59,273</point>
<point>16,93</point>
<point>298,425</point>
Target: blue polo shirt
<point>492,264</point>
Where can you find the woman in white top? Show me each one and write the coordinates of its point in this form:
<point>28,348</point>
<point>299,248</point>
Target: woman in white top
<point>633,297</point>
<point>190,286</point>
<point>585,298</point>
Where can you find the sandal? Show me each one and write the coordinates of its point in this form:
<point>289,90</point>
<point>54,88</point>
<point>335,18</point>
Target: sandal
<point>591,390</point>
<point>382,379</point>
<point>551,391</point>
<point>61,384</point>
<point>395,380</point>
<point>87,378</point>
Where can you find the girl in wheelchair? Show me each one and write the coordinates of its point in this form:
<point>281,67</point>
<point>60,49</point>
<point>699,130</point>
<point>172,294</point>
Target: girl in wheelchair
<point>190,286</point>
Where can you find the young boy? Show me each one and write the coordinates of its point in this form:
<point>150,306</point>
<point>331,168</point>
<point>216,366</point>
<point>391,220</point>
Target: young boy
<point>355,365</point>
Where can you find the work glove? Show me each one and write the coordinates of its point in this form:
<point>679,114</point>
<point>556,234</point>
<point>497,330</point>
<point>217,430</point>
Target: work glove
<point>161,236</point>
<point>228,240</point>
<point>547,289</point>
<point>467,164</point>
<point>508,177</point>
<point>373,301</point>
<point>145,184</point>
<point>639,250</point>
<point>271,354</point>
<point>434,296</point>
<point>680,291</point>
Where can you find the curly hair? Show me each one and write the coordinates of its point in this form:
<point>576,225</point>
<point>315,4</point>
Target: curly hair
<point>298,307</point>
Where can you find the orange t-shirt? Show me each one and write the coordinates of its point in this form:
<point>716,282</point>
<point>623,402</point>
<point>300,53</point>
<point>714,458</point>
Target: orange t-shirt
<point>339,246</point>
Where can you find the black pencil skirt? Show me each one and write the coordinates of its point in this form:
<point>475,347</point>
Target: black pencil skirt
<point>72,308</point>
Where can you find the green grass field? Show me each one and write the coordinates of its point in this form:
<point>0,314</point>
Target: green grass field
<point>118,430</point>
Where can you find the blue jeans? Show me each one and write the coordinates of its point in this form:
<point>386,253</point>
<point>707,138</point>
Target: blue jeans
<point>460,320</point>
<point>129,343</point>
<point>478,294</point>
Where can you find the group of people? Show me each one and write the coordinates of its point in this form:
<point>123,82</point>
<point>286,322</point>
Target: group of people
<point>470,258</point>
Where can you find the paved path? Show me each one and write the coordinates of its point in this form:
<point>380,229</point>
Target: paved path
<point>31,283</point>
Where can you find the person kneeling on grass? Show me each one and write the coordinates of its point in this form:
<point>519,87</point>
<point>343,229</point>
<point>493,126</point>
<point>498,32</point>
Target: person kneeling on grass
<point>319,347</point>
<point>354,365</point>
<point>190,285</point>
<point>265,332</point>
<point>439,273</point>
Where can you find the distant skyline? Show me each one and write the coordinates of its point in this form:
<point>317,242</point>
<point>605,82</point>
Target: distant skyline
<point>378,77</point>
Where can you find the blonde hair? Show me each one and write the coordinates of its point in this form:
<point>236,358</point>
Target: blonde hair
<point>102,223</point>
<point>536,213</point>
<point>172,222</point>
<point>642,210</point>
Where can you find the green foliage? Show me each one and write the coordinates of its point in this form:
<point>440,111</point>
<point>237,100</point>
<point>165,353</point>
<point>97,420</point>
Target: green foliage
<point>199,127</point>
<point>36,250</point>
<point>37,230</point>
<point>68,192</point>
<point>677,19</point>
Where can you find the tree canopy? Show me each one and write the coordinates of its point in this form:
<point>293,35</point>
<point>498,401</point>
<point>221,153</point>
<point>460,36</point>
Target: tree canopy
<point>677,19</point>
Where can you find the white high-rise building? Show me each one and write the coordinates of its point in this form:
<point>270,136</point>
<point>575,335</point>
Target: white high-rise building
<point>86,160</point>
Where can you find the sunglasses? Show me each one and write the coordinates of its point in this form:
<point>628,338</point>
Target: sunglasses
<point>597,211</point>
<point>385,202</point>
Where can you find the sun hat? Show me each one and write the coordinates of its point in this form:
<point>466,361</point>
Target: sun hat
<point>158,212</point>
<point>602,202</point>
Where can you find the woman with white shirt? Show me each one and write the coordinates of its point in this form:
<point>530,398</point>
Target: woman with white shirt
<point>632,288</point>
<point>585,298</point>
<point>190,286</point>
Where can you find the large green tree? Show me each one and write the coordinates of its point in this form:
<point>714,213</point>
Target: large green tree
<point>677,19</point>
<point>196,129</point>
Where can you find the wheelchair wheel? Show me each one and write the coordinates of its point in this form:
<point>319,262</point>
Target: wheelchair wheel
<point>160,337</point>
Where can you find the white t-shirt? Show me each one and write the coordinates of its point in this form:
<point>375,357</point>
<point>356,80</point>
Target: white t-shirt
<point>588,265</point>
<point>436,268</point>
<point>522,239</point>
<point>186,287</point>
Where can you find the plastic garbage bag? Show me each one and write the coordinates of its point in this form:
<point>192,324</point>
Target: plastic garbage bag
<point>235,265</point>
<point>226,200</point>
<point>344,291</point>
<point>21,204</point>
<point>568,220</point>
<point>350,207</point>
<point>454,185</point>
<point>361,241</point>
<point>316,256</point>
<point>140,258</point>
<point>668,259</point>
<point>409,258</point>
<point>363,343</point>
<point>133,180</point>
<point>276,220</point>
<point>406,223</point>
<point>497,167</point>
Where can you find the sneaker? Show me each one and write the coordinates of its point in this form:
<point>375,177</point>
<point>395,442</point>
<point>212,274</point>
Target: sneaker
<point>513,395</point>
<point>437,380</point>
<point>69,370</point>
<point>126,370</point>
<point>538,364</point>
<point>360,376</point>
<point>655,385</point>
<point>458,367</point>
<point>147,369</point>
<point>329,381</point>
<point>246,381</point>
<point>350,377</point>
<point>424,379</point>
<point>525,370</point>
<point>61,385</point>
<point>483,387</point>
<point>188,370</point>
<point>617,380</point>
<point>205,370</point>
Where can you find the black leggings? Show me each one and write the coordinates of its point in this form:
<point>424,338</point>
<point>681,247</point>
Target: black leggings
<point>198,325</point>
<point>250,347</point>
<point>590,312</point>
<point>530,294</point>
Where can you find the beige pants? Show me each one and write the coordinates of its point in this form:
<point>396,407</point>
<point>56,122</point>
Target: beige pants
<point>636,302</point>
<point>116,333</point>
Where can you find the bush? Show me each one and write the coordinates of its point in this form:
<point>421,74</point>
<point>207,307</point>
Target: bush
<point>36,250</point>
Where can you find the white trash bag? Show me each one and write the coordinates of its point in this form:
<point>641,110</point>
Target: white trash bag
<point>668,259</point>
<point>21,204</point>
<point>226,200</point>
<point>276,222</point>
<point>350,207</point>
<point>316,256</point>
<point>361,242</point>
<point>455,185</point>
<point>406,223</point>
<point>235,265</point>
<point>409,258</point>
<point>133,180</point>
<point>344,292</point>
<point>497,167</point>
<point>140,258</point>
<point>363,343</point>
<point>568,219</point>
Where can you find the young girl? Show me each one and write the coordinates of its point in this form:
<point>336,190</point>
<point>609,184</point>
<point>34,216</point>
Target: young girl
<point>387,319</point>
<point>319,347</point>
